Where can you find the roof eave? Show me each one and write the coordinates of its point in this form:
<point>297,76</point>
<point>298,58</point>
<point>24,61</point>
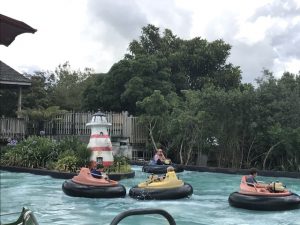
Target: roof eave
<point>20,83</point>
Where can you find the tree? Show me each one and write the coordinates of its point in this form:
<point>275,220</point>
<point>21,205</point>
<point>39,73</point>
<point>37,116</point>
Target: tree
<point>156,110</point>
<point>40,94</point>
<point>38,117</point>
<point>167,63</point>
<point>68,91</point>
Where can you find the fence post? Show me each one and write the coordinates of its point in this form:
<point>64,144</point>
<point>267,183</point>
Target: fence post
<point>73,123</point>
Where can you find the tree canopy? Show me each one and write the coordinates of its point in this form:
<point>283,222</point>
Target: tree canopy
<point>189,98</point>
<point>166,63</point>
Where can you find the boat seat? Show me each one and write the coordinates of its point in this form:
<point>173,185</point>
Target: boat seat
<point>85,172</point>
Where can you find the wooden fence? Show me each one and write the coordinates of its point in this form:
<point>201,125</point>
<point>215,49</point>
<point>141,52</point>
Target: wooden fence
<point>123,126</point>
<point>12,128</point>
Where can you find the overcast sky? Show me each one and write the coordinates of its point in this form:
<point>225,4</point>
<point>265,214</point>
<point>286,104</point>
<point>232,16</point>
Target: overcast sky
<point>96,33</point>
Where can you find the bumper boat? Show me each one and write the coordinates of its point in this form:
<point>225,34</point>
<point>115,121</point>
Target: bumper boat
<point>85,185</point>
<point>276,198</point>
<point>161,189</point>
<point>152,167</point>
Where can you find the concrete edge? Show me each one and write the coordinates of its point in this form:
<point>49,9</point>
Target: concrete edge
<point>61,175</point>
<point>267,173</point>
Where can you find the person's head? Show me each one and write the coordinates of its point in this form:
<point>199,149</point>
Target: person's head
<point>170,169</point>
<point>93,164</point>
<point>159,151</point>
<point>253,172</point>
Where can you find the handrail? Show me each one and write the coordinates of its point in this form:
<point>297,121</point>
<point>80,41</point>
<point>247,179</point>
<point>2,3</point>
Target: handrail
<point>145,211</point>
<point>29,218</point>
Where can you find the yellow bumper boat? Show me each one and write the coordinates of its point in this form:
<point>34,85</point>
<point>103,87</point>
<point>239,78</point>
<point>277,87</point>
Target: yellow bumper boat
<point>168,187</point>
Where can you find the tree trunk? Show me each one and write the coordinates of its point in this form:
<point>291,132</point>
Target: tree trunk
<point>249,151</point>
<point>180,152</point>
<point>268,153</point>
<point>150,128</point>
<point>243,145</point>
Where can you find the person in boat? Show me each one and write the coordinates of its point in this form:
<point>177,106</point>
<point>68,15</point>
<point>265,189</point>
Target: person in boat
<point>96,172</point>
<point>160,158</point>
<point>169,175</point>
<point>251,181</point>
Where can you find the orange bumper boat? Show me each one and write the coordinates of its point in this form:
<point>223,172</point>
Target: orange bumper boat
<point>276,198</point>
<point>85,185</point>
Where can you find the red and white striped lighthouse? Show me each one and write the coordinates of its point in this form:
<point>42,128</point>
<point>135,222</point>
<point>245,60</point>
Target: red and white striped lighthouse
<point>100,144</point>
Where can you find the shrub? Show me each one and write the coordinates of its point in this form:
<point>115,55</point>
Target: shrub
<point>121,165</point>
<point>67,163</point>
<point>32,152</point>
<point>37,152</point>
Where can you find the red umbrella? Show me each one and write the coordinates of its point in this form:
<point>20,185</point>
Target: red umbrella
<point>10,28</point>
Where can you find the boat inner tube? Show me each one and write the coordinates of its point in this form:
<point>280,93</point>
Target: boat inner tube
<point>264,202</point>
<point>74,189</point>
<point>160,169</point>
<point>161,193</point>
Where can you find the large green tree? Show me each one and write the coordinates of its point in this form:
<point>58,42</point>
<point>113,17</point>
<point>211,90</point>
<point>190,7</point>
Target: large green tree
<point>164,62</point>
<point>69,88</point>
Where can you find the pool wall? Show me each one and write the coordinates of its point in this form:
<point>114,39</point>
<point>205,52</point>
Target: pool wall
<point>65,175</point>
<point>267,173</point>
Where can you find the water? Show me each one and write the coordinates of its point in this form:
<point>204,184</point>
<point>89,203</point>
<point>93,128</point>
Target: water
<point>208,205</point>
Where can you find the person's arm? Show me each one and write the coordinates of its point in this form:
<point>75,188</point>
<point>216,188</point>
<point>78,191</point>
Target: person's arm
<point>163,158</point>
<point>260,185</point>
<point>156,157</point>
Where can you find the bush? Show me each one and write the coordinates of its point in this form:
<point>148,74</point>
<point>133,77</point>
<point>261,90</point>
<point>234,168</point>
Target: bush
<point>33,152</point>
<point>41,152</point>
<point>73,146</point>
<point>69,155</point>
<point>121,165</point>
<point>67,164</point>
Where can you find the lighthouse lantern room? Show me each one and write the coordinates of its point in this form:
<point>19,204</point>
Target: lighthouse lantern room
<point>100,143</point>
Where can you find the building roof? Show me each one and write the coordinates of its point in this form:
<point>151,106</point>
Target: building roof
<point>9,76</point>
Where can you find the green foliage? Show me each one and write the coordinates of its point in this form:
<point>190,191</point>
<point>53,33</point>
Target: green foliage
<point>33,152</point>
<point>121,165</point>
<point>41,114</point>
<point>73,146</point>
<point>39,94</point>
<point>39,152</point>
<point>187,95</point>
<point>67,163</point>
<point>38,117</point>
<point>166,63</point>
<point>237,128</point>
<point>9,98</point>
<point>68,90</point>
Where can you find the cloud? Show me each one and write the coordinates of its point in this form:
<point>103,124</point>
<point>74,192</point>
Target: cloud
<point>118,22</point>
<point>96,33</point>
<point>278,8</point>
<point>252,58</point>
<point>285,30</point>
<point>269,38</point>
<point>119,17</point>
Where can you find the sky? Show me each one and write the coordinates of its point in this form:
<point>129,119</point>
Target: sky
<point>264,34</point>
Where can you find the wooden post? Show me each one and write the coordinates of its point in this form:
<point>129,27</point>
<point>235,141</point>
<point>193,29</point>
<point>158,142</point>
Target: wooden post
<point>19,102</point>
<point>73,123</point>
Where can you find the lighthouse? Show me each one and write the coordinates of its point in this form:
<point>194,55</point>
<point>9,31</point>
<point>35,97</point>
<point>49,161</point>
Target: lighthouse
<point>100,144</point>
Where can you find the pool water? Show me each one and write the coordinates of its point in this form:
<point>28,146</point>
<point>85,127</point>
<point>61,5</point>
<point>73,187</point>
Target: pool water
<point>208,205</point>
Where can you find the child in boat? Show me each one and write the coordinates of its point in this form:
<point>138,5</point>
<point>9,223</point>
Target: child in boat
<point>160,158</point>
<point>95,172</point>
<point>169,175</point>
<point>250,179</point>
